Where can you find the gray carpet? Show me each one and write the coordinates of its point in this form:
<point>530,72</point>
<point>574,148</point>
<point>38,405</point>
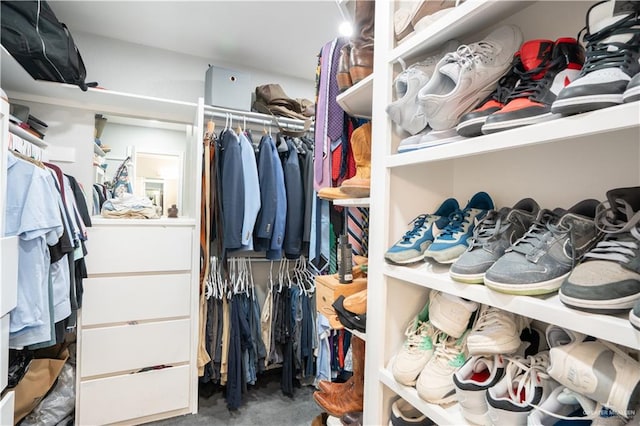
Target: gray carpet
<point>263,405</point>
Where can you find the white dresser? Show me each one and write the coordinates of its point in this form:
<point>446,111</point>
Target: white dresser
<point>138,326</point>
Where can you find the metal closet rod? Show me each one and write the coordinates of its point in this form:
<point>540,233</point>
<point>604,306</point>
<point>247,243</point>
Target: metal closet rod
<point>254,117</point>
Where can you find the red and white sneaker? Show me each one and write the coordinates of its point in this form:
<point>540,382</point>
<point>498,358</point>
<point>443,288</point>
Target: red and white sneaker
<point>549,67</point>
<point>471,123</point>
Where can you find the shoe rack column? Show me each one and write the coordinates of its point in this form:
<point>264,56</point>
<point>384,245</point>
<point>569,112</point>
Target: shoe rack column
<point>374,404</point>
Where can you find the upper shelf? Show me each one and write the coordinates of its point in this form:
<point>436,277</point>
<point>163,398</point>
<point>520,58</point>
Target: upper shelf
<point>614,328</point>
<point>470,17</point>
<point>352,202</point>
<point>18,84</point>
<point>357,100</point>
<point>605,120</point>
<point>21,133</point>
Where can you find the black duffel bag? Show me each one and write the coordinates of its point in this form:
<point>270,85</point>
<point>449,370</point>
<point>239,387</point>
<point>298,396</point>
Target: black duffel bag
<point>41,44</point>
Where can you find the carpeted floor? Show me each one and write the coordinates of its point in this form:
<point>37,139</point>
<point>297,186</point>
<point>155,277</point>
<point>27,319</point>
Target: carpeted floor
<point>263,405</point>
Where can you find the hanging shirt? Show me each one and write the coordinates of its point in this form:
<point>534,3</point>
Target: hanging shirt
<point>263,229</point>
<point>232,190</point>
<point>251,192</point>
<point>33,215</point>
<point>277,239</point>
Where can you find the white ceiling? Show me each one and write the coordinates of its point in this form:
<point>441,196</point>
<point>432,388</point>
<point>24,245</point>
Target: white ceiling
<point>282,37</point>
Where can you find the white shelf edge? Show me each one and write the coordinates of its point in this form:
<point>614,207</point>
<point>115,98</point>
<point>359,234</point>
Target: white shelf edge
<point>610,119</point>
<point>352,202</point>
<point>549,309</point>
<point>466,18</point>
<point>358,99</point>
<point>360,335</point>
<point>450,415</point>
<point>23,134</point>
<point>163,221</point>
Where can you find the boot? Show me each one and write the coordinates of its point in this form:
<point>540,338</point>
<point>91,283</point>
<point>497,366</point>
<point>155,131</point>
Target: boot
<point>343,77</point>
<point>330,387</point>
<point>361,57</point>
<point>341,403</point>
<point>359,185</point>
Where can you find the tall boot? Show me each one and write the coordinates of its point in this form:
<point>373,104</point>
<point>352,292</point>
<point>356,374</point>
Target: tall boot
<point>351,399</point>
<point>361,57</point>
<point>343,77</point>
<point>359,185</point>
<point>331,387</point>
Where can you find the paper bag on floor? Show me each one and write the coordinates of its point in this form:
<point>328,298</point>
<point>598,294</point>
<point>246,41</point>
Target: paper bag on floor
<point>36,383</point>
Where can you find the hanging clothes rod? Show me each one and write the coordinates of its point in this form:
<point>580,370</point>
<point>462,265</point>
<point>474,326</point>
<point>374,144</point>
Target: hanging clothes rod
<point>254,117</point>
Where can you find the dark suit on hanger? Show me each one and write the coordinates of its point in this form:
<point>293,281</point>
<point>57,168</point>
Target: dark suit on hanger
<point>232,190</point>
<point>263,230</point>
<point>295,203</point>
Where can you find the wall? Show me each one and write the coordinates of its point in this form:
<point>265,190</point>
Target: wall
<point>133,68</point>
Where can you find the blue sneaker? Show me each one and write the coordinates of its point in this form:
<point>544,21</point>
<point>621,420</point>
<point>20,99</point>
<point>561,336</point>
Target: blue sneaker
<point>412,246</point>
<point>453,241</point>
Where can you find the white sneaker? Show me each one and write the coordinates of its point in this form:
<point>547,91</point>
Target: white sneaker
<point>403,110</point>
<point>599,370</point>
<point>429,138</point>
<point>405,414</point>
<point>450,313</point>
<point>435,383</point>
<point>465,77</point>
<point>525,383</point>
<point>496,332</point>
<point>558,336</point>
<point>416,351</point>
<point>471,382</point>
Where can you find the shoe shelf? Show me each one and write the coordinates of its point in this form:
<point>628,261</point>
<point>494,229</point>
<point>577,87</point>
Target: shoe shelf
<point>21,133</point>
<point>352,202</point>
<point>548,309</point>
<point>468,18</point>
<point>358,334</point>
<point>450,415</point>
<point>607,120</point>
<point>356,101</point>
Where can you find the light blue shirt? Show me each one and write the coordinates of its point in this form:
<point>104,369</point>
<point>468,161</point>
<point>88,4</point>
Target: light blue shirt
<point>251,191</point>
<point>33,215</point>
<point>323,357</point>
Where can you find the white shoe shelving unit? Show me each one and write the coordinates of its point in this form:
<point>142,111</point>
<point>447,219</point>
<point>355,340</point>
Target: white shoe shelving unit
<point>558,163</point>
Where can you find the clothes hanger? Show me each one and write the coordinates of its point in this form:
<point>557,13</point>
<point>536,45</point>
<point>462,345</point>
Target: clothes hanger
<point>33,161</point>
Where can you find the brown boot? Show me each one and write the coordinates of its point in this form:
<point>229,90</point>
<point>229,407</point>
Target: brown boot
<point>343,77</point>
<point>330,387</point>
<point>340,403</point>
<point>361,57</point>
<point>359,185</point>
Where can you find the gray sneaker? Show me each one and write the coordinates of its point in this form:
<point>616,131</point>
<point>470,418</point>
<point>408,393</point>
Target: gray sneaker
<point>493,235</point>
<point>634,316</point>
<point>539,262</point>
<point>608,280</point>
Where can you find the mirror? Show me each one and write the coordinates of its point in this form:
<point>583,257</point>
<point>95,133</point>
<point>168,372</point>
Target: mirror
<point>156,153</point>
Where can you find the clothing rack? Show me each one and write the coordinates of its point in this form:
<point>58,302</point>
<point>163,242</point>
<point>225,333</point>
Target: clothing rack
<point>256,118</point>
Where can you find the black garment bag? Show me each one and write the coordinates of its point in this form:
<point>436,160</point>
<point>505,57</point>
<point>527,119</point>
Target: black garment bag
<point>41,44</point>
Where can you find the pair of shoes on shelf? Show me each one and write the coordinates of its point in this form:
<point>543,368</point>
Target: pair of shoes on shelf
<point>418,15</point>
<point>527,250</point>
<point>523,96</point>
<point>359,185</point>
<point>356,57</point>
<point>442,236</point>
<point>405,414</point>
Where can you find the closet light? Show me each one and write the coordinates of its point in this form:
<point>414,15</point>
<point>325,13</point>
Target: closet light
<point>346,29</point>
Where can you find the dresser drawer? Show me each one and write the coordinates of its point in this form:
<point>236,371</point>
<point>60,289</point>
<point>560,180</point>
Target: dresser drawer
<point>131,347</point>
<point>121,249</point>
<point>130,396</point>
<point>4,352</point>
<point>6,409</point>
<point>8,274</point>
<point>135,298</point>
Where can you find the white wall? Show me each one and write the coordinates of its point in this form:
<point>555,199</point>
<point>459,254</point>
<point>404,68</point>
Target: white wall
<point>133,68</point>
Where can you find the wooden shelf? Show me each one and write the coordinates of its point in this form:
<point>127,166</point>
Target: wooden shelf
<point>357,100</point>
<point>549,309</point>
<point>353,202</point>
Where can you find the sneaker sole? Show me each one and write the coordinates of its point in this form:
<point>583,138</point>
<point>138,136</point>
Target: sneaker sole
<point>532,289</point>
<point>634,320</point>
<point>407,261</point>
<point>489,128</point>
<point>495,348</point>
<point>622,304</point>
<point>467,278</point>
<point>631,95</point>
<point>471,128</point>
<point>585,103</point>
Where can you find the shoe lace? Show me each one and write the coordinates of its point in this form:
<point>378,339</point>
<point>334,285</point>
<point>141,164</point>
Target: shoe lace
<point>488,228</point>
<point>447,349</point>
<point>535,235</point>
<point>418,224</point>
<point>523,371</point>
<point>620,243</point>
<point>599,54</point>
<point>491,317</point>
<point>415,338</point>
<point>470,54</point>
<point>530,82</point>
<point>456,220</point>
